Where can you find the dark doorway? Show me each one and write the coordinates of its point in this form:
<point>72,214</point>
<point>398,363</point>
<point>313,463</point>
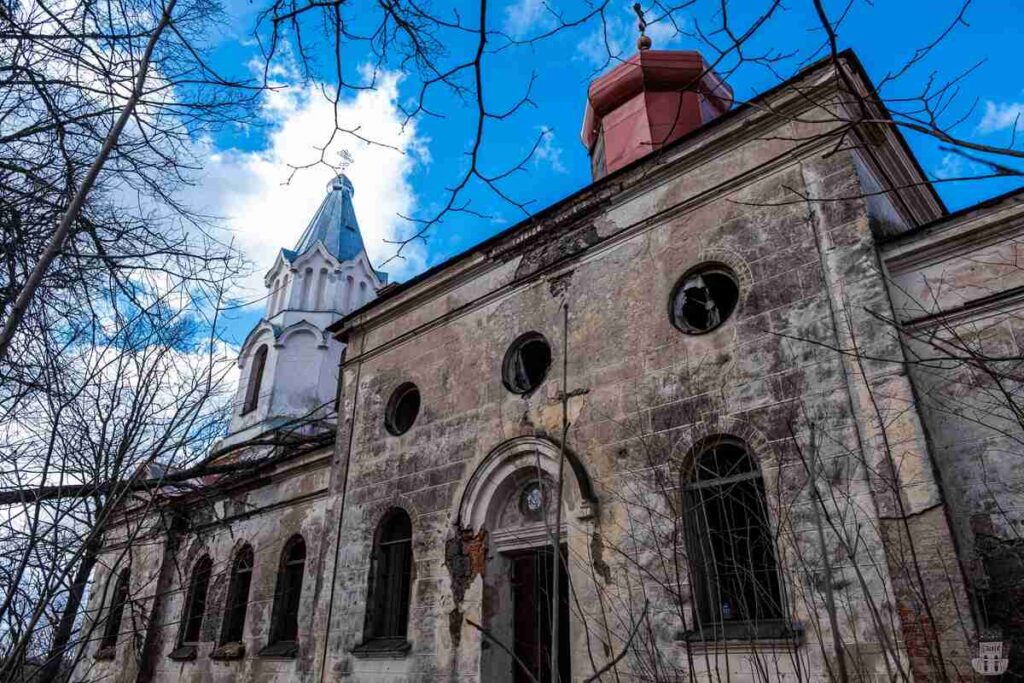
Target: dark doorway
<point>531,628</point>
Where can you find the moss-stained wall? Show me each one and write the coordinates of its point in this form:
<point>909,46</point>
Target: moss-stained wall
<point>808,373</point>
<point>779,375</point>
<point>956,290</point>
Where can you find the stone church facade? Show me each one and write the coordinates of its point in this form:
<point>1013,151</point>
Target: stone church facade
<point>709,397</point>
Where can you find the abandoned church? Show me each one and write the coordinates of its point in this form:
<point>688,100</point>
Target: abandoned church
<point>728,413</point>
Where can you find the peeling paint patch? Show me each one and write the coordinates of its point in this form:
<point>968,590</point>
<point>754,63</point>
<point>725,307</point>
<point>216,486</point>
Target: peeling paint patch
<point>455,626</point>
<point>601,567</point>
<point>465,555</point>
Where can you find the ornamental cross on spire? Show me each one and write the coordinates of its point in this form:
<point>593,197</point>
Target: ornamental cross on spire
<point>644,41</point>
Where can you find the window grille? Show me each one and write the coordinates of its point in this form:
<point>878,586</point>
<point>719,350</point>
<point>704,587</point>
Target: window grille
<point>735,578</point>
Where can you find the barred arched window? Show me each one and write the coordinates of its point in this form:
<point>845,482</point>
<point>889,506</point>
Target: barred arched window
<point>735,578</point>
<point>195,602</point>
<point>252,390</point>
<point>284,630</point>
<point>118,599</point>
<point>238,596</point>
<point>390,579</point>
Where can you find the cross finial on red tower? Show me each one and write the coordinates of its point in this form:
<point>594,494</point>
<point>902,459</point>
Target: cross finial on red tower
<point>644,41</point>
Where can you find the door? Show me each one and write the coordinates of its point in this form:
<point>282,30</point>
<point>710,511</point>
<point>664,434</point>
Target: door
<point>531,627</point>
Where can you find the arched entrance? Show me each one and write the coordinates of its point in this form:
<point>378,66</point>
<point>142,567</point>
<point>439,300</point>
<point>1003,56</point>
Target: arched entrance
<point>512,496</point>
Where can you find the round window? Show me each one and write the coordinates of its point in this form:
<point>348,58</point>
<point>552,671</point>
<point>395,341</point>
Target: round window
<point>704,298</point>
<point>531,501</point>
<point>403,407</point>
<point>526,363</point>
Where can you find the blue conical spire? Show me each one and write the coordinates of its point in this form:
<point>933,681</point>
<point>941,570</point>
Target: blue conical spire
<point>334,223</point>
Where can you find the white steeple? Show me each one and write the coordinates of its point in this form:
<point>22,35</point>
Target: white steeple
<point>288,363</point>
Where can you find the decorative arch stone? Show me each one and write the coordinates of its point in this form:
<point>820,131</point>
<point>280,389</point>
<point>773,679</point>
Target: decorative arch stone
<point>730,258</point>
<point>757,444</point>
<point>493,476</point>
<point>733,427</point>
<point>254,336</point>
<point>318,250</point>
<point>374,514</point>
<point>196,549</point>
<point>303,326</point>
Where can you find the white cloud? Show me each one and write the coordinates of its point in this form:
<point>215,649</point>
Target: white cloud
<point>664,33</point>
<point>605,42</point>
<point>525,17</point>
<point>265,212</point>
<point>1002,116</point>
<point>548,152</point>
<point>617,36</point>
<point>953,166</point>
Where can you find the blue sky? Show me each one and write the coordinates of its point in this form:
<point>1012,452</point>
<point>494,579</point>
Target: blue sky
<point>249,164</point>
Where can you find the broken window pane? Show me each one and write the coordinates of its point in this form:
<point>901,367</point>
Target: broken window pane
<point>526,363</point>
<point>704,299</point>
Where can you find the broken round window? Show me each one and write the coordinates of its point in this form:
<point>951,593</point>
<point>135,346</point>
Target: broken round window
<point>704,298</point>
<point>403,407</point>
<point>526,363</point>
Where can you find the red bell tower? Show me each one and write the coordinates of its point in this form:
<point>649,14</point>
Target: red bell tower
<point>646,102</point>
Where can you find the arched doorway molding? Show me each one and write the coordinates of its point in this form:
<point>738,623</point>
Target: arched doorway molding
<point>505,466</point>
<point>520,550</point>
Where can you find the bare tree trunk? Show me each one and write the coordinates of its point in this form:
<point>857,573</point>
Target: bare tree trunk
<point>62,636</point>
<point>71,215</point>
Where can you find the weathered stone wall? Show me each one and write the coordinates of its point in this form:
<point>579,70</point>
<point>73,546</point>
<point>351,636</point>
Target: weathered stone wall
<point>265,514</point>
<point>145,554</point>
<point>772,376</point>
<point>807,372</point>
<point>956,291</point>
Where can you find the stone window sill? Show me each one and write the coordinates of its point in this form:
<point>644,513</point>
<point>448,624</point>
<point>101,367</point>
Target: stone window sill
<point>288,649</point>
<point>183,653</point>
<point>105,653</point>
<point>382,648</point>
<point>229,652</point>
<point>741,635</point>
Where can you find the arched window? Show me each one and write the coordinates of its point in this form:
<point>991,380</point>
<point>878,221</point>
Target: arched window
<point>275,297</point>
<point>284,630</point>
<point>118,599</point>
<point>735,579</point>
<point>307,284</point>
<point>350,286</point>
<point>195,602</point>
<point>238,597</point>
<point>252,390</point>
<point>390,580</point>
<point>321,289</point>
